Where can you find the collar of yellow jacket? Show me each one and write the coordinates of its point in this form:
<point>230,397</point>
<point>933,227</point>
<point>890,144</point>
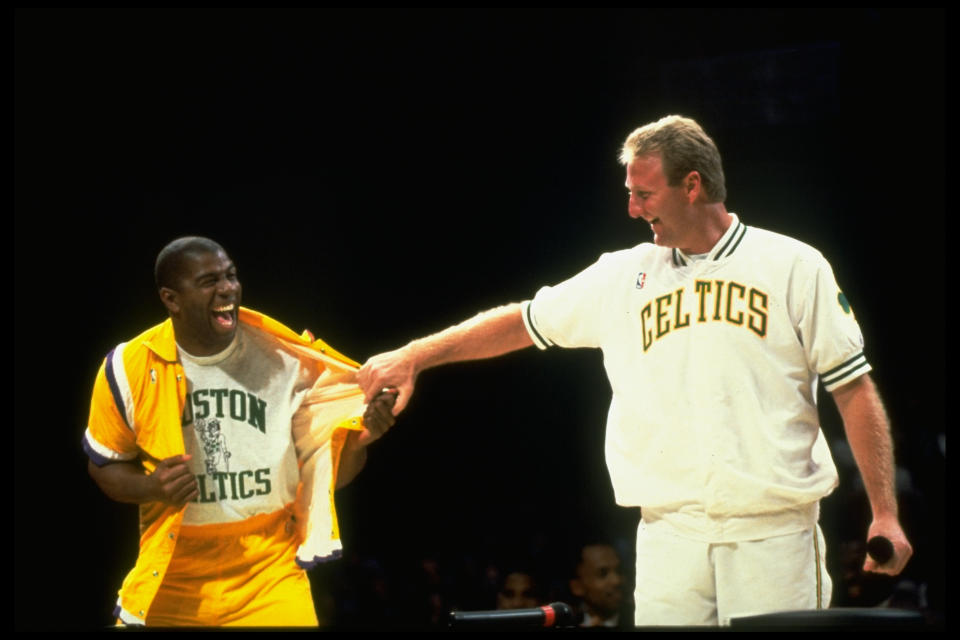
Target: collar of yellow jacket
<point>164,343</point>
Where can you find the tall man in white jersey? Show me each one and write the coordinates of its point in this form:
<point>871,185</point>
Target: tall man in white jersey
<point>714,339</point>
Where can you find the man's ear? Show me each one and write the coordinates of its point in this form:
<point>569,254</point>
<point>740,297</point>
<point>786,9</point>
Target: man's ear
<point>693,186</point>
<point>170,299</point>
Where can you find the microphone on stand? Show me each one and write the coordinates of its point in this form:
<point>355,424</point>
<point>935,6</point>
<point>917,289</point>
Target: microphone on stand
<point>880,549</point>
<point>555,614</point>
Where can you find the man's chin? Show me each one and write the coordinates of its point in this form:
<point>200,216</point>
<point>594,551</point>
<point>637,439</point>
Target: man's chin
<point>221,337</point>
<point>612,608</point>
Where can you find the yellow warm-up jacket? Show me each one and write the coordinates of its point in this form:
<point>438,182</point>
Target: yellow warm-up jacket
<point>135,415</point>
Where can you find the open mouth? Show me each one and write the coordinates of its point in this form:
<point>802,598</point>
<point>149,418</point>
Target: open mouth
<point>225,316</point>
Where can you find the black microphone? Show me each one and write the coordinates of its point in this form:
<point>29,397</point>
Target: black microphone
<point>555,614</point>
<point>880,549</point>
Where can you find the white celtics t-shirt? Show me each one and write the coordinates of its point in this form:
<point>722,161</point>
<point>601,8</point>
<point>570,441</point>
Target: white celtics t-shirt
<point>237,428</point>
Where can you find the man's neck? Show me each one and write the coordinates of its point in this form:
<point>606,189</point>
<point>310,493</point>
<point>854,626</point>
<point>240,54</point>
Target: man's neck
<point>716,221</point>
<point>199,348</point>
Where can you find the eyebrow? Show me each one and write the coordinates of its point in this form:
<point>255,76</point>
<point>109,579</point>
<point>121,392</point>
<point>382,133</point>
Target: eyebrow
<point>215,273</point>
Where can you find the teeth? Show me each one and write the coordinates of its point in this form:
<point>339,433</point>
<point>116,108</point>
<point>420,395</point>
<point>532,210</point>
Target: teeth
<point>224,309</point>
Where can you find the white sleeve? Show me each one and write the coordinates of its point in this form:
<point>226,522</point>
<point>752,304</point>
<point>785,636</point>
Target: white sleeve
<point>828,329</point>
<point>572,313</point>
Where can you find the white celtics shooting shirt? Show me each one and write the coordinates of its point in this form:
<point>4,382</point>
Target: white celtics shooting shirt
<point>714,365</point>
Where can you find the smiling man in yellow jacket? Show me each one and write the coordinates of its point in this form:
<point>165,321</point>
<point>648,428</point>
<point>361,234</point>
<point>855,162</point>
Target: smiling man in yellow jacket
<point>231,432</point>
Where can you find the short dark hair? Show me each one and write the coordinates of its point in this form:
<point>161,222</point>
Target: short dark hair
<point>169,266</point>
<point>576,557</point>
<point>509,570</point>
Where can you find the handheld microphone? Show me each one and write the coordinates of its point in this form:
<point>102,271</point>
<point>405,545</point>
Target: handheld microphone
<point>555,614</point>
<point>880,549</point>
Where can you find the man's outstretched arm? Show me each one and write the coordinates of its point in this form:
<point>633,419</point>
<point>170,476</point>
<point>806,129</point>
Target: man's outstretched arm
<point>486,335</point>
<point>868,432</point>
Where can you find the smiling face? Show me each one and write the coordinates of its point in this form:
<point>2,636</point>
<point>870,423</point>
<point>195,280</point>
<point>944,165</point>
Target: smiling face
<point>599,581</point>
<point>668,210</point>
<point>204,301</point>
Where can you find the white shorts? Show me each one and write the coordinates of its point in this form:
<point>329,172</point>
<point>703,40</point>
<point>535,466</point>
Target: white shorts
<point>688,582</point>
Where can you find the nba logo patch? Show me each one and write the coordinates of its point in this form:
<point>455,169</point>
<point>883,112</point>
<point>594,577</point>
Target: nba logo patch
<point>641,278</point>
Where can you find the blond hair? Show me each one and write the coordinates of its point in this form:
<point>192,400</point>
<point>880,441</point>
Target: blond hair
<point>683,146</point>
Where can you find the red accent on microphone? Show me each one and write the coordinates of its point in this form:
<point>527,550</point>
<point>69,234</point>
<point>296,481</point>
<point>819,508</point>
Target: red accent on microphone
<point>550,616</point>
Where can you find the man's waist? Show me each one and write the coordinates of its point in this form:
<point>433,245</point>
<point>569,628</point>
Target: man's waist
<point>259,523</point>
<point>694,523</point>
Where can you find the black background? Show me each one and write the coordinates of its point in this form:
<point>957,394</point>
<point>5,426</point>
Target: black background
<point>380,175</point>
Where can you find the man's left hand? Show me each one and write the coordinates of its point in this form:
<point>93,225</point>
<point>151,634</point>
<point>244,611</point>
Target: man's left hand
<point>378,418</point>
<point>889,529</point>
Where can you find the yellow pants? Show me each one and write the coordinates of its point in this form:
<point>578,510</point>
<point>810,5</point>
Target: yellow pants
<point>237,574</point>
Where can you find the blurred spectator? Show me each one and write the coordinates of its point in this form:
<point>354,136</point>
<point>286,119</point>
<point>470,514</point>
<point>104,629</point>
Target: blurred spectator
<point>518,590</point>
<point>598,584</point>
<point>853,587</point>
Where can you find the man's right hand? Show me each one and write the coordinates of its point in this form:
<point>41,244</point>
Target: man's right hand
<point>172,482</point>
<point>393,369</point>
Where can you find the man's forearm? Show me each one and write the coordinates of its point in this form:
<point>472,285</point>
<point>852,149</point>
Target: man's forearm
<point>868,432</point>
<point>486,335</point>
<point>123,482</point>
<point>171,481</point>
<point>352,460</point>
